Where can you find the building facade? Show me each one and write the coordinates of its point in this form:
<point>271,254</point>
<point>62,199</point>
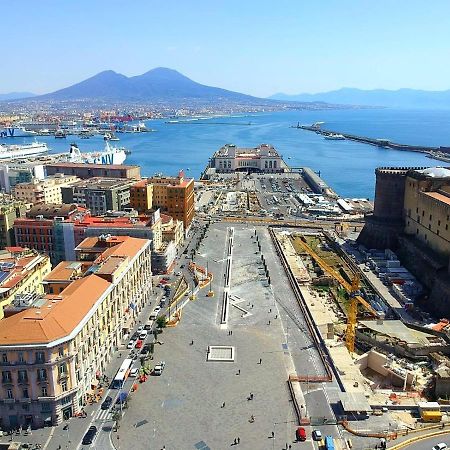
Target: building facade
<point>54,352</point>
<point>175,197</point>
<point>427,208</point>
<point>99,195</point>
<point>10,210</point>
<point>263,158</point>
<point>85,171</point>
<point>141,196</point>
<point>44,191</point>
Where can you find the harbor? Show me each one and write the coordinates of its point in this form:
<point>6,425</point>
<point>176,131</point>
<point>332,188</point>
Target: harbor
<point>440,153</point>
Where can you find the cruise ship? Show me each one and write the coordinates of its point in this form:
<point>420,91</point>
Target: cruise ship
<point>11,132</point>
<point>22,151</point>
<point>111,155</point>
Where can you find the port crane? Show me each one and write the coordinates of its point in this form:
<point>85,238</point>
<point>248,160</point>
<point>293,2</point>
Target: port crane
<point>351,288</point>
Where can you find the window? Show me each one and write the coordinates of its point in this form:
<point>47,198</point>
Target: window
<point>40,357</point>
<point>23,376</point>
<point>44,392</point>
<point>4,357</point>
<point>439,223</point>
<point>64,386</point>
<point>62,369</point>
<point>6,376</point>
<point>25,393</point>
<point>431,217</point>
<point>42,374</point>
<point>61,351</point>
<point>9,393</point>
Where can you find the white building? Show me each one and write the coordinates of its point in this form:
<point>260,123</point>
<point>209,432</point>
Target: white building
<point>264,159</point>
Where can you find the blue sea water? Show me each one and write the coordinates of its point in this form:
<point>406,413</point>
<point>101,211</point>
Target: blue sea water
<point>346,166</point>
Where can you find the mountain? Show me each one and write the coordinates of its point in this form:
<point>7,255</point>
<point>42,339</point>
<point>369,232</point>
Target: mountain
<point>402,98</point>
<point>157,85</point>
<point>16,95</point>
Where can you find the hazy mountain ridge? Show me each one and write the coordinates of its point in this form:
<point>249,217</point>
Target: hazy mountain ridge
<point>401,98</point>
<point>16,95</point>
<point>158,84</point>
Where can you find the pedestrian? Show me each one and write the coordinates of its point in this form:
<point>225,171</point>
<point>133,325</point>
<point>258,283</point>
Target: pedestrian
<point>223,405</point>
<point>251,396</point>
<point>192,342</point>
<point>231,332</point>
<point>270,310</point>
<point>260,361</point>
<point>269,322</point>
<point>239,371</point>
<point>235,441</point>
<point>239,440</point>
<point>273,434</point>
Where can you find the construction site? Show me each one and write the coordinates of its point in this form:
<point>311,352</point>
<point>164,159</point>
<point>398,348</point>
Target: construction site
<point>381,358</point>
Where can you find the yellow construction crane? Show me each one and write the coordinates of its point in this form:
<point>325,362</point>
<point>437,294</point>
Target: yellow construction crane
<point>352,289</point>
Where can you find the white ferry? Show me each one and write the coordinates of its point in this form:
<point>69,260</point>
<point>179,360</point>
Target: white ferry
<point>11,132</point>
<point>111,155</point>
<point>22,151</point>
<point>335,137</point>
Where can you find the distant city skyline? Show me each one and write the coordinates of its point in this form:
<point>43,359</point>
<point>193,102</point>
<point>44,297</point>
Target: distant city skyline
<point>248,47</point>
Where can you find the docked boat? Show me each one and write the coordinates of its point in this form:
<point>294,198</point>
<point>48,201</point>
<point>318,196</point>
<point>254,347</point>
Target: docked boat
<point>335,137</point>
<point>22,151</point>
<point>135,128</point>
<point>110,155</point>
<point>60,134</point>
<point>12,132</point>
<point>110,137</point>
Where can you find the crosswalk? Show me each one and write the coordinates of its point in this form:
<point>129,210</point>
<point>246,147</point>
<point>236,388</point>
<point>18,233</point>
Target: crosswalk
<point>103,415</point>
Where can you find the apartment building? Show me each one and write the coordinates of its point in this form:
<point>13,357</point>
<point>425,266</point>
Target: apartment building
<point>49,229</point>
<point>21,272</point>
<point>43,191</point>
<point>85,171</point>
<point>175,197</point>
<point>10,210</point>
<point>141,196</point>
<point>99,195</point>
<point>54,352</point>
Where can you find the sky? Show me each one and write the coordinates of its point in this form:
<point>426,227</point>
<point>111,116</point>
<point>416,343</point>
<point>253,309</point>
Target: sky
<point>258,47</point>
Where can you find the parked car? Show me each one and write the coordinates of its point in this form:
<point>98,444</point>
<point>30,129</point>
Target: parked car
<point>155,313</point>
<point>131,344</point>
<point>317,435</point>
<point>300,434</point>
<point>440,446</point>
<point>158,370</point>
<point>90,435</point>
<point>134,372</point>
<point>107,403</point>
<point>139,343</point>
<point>143,333</point>
<point>140,328</point>
<point>135,336</point>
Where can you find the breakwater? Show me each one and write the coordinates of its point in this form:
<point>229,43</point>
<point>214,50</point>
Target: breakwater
<point>384,143</point>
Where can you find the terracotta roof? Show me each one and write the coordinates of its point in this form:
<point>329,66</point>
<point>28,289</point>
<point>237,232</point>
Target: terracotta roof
<point>64,271</point>
<point>56,318</point>
<point>438,196</point>
<point>128,248</point>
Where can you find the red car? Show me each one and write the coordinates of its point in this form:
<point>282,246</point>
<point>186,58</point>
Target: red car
<point>301,434</point>
<point>139,343</point>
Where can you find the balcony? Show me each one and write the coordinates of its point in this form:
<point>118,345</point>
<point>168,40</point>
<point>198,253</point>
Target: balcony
<point>23,381</point>
<point>7,381</point>
<point>9,400</point>
<point>52,398</point>
<point>25,400</point>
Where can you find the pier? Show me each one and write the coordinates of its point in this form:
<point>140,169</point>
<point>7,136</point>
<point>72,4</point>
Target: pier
<point>433,152</point>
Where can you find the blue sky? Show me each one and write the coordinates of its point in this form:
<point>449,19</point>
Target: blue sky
<point>259,47</point>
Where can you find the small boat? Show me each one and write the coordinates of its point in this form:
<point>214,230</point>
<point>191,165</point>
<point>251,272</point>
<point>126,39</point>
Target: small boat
<point>110,137</point>
<point>60,134</point>
<point>335,137</point>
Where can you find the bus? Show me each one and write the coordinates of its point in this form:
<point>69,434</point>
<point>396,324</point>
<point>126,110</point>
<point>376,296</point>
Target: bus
<point>329,444</point>
<point>122,374</point>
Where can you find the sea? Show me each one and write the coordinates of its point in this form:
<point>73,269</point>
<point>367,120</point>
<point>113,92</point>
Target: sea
<point>348,167</point>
